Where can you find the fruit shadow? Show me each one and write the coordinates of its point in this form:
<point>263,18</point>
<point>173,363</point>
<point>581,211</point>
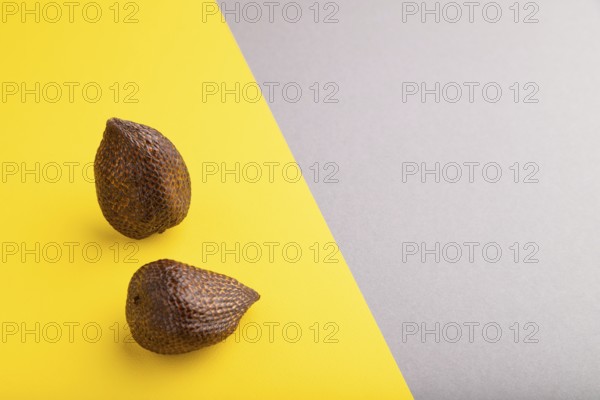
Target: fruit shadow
<point>101,231</point>
<point>138,359</point>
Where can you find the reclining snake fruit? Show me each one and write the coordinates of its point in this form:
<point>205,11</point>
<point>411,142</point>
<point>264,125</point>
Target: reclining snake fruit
<point>176,308</point>
<point>142,183</point>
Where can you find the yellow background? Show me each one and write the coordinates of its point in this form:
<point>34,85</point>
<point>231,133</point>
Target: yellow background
<point>168,54</point>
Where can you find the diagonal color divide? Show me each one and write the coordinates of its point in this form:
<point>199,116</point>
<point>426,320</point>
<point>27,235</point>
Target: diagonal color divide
<point>65,271</point>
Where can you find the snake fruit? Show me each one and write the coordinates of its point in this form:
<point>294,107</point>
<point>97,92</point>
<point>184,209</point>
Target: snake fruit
<point>142,183</point>
<point>175,308</point>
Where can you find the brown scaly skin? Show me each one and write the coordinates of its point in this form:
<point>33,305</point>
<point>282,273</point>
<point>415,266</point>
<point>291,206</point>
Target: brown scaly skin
<point>142,182</point>
<point>176,308</point>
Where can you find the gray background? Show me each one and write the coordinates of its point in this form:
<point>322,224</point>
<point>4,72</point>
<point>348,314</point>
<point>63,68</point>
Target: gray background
<point>371,132</point>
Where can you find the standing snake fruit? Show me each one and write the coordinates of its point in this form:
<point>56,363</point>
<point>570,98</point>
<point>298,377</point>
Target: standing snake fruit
<point>175,308</point>
<point>142,182</point>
